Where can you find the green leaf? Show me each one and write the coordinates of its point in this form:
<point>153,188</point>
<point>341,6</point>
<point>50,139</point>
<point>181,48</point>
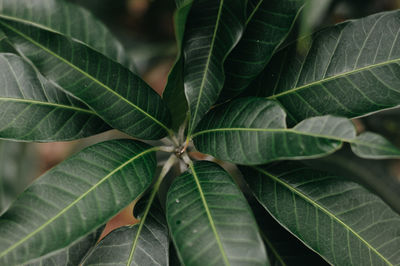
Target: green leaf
<point>68,19</point>
<point>18,167</point>
<point>340,220</point>
<point>74,198</point>
<point>174,93</point>
<point>283,248</point>
<point>212,30</point>
<point>253,131</point>
<point>151,246</point>
<point>71,255</point>
<point>350,69</point>
<point>33,109</point>
<point>267,26</point>
<point>210,220</point>
<point>118,96</point>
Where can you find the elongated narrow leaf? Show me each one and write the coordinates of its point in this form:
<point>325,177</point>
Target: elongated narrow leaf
<point>174,93</point>
<point>350,70</point>
<point>33,109</point>
<point>118,96</point>
<point>74,198</point>
<point>213,29</point>
<point>71,255</point>
<point>340,220</point>
<point>210,220</point>
<point>253,131</point>
<point>68,19</point>
<point>124,247</point>
<point>267,26</point>
<point>283,248</point>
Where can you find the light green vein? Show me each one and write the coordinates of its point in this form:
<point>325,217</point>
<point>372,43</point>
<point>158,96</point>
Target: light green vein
<point>323,209</point>
<point>214,229</point>
<point>345,74</point>
<point>72,204</point>
<point>86,75</point>
<point>56,105</point>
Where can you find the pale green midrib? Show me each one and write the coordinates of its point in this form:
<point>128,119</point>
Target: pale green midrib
<point>274,251</point>
<point>47,104</point>
<point>86,74</point>
<point>2,254</point>
<point>253,12</point>
<point>288,130</point>
<point>167,166</point>
<point>206,66</point>
<point>309,85</point>
<point>214,229</point>
<point>318,206</point>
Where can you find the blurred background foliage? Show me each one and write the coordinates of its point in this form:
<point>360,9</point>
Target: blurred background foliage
<point>145,28</point>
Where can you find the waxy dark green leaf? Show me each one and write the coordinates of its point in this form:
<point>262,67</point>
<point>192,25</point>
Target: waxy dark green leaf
<point>174,93</point>
<point>351,69</point>
<point>149,248</point>
<point>267,26</point>
<point>339,219</point>
<point>213,28</point>
<point>210,220</point>
<point>283,248</point>
<point>67,19</point>
<point>118,96</point>
<point>254,131</point>
<point>74,198</point>
<point>34,109</point>
<point>71,255</point>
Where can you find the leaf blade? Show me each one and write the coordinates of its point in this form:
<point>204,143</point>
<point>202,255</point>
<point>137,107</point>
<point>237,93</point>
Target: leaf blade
<point>359,66</point>
<point>108,88</point>
<point>105,167</point>
<point>339,213</point>
<point>35,110</point>
<point>210,226</point>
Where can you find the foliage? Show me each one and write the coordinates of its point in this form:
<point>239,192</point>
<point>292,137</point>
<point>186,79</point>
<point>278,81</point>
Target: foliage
<point>239,91</point>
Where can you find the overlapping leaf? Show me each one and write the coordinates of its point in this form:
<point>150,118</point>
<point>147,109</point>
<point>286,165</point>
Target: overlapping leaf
<point>68,19</point>
<point>118,96</point>
<point>212,30</point>
<point>174,93</point>
<point>74,198</point>
<point>124,247</point>
<point>283,248</point>
<point>267,26</point>
<point>350,70</point>
<point>342,221</point>
<point>210,220</point>
<point>71,255</point>
<point>33,109</point>
<point>253,131</point>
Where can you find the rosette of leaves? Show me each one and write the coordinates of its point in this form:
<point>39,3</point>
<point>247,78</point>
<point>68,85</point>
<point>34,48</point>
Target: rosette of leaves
<point>58,84</point>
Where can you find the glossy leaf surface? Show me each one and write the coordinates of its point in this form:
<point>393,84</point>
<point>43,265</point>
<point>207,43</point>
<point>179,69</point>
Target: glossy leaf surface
<point>74,198</point>
<point>210,220</point>
<point>254,131</point>
<point>118,96</point>
<point>68,19</point>
<point>71,255</point>
<point>212,30</point>
<point>34,109</point>
<point>351,70</point>
<point>267,26</point>
<point>339,219</point>
<point>174,93</point>
<point>123,247</point>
